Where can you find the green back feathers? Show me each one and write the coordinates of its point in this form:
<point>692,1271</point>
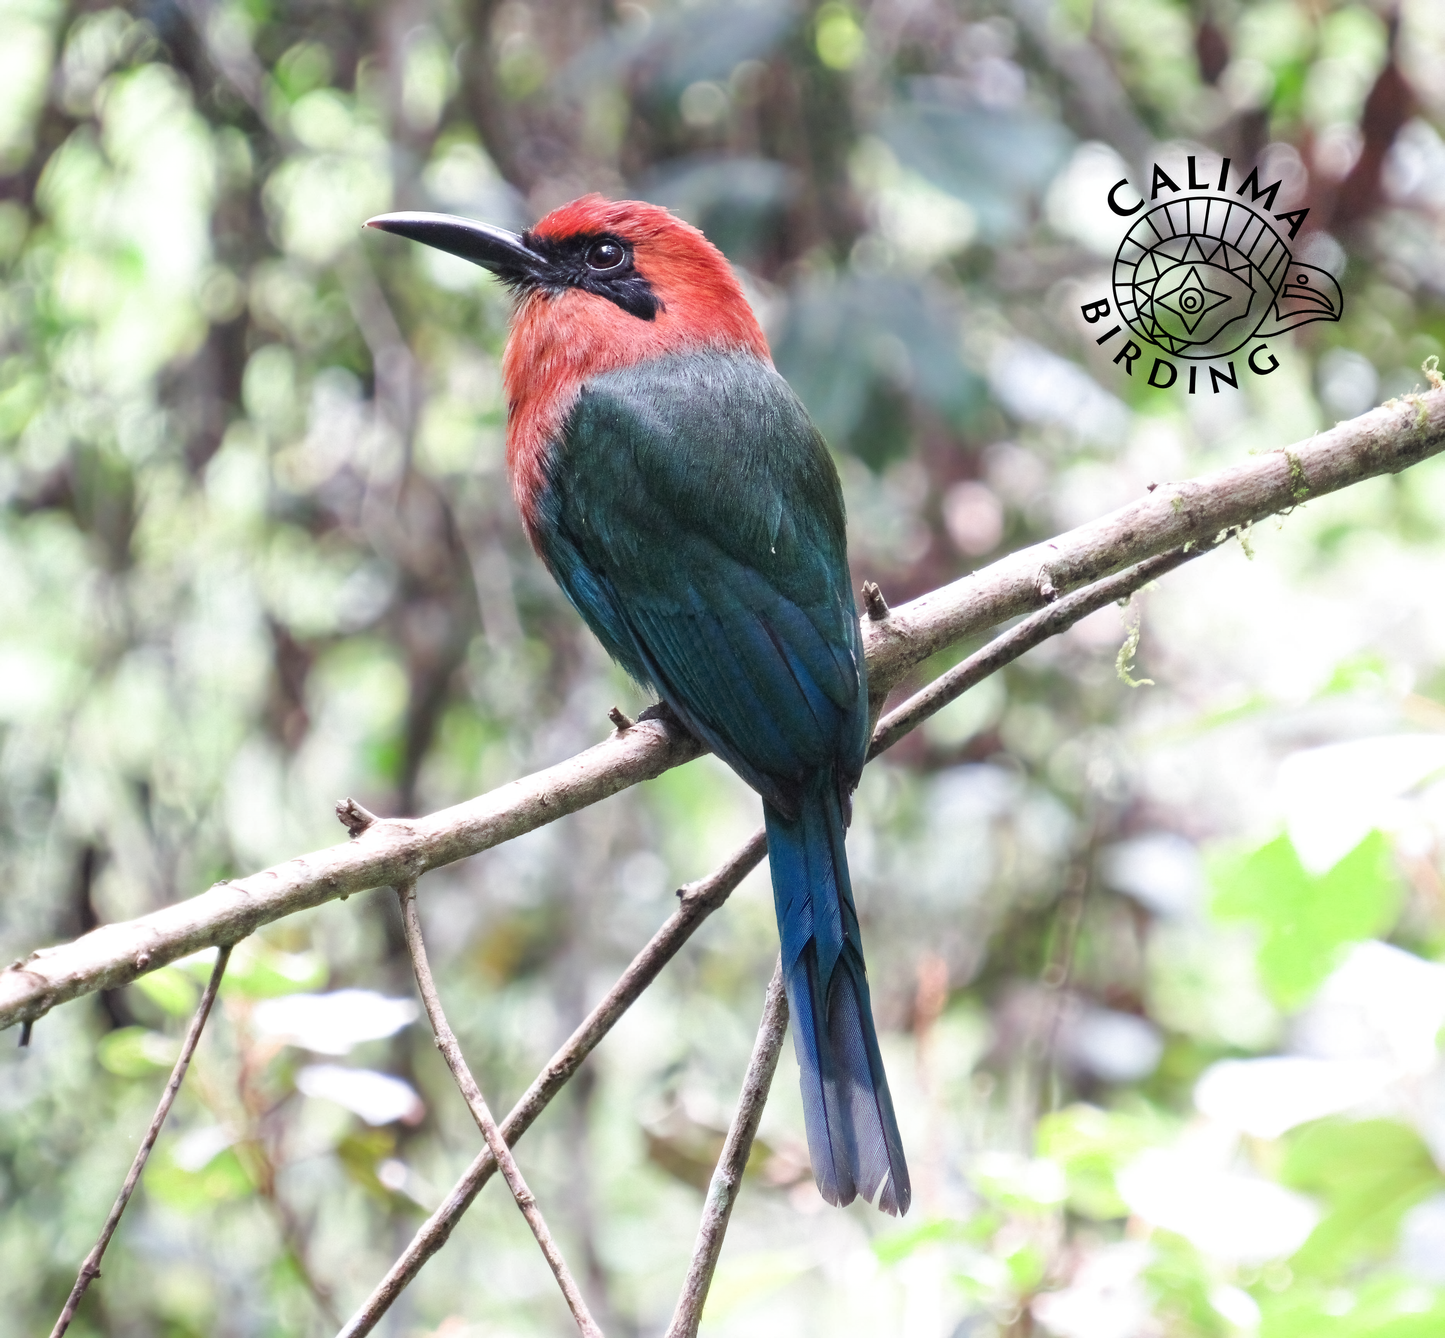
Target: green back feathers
<point>694,517</point>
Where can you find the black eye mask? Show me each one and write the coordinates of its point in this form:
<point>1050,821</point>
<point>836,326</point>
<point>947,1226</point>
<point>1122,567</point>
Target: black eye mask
<point>598,263</point>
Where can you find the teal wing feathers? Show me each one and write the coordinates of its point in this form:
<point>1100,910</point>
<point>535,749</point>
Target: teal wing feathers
<point>693,517</point>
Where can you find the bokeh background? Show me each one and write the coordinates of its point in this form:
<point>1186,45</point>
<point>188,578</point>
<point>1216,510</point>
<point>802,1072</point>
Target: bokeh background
<point>1156,965</point>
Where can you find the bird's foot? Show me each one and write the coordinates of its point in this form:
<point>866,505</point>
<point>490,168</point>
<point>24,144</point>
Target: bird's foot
<point>663,712</point>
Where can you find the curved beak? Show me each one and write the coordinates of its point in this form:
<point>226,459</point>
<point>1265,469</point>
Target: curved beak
<point>1309,294</point>
<point>504,253</point>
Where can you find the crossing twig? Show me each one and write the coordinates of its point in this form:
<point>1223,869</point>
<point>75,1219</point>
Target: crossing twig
<point>722,1192</point>
<point>90,1269</point>
<point>452,1052</point>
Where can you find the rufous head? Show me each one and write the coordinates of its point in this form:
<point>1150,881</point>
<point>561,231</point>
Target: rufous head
<point>628,268</point>
<point>600,285</point>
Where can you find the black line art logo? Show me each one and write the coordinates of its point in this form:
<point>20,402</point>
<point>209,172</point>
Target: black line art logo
<point>1201,277</point>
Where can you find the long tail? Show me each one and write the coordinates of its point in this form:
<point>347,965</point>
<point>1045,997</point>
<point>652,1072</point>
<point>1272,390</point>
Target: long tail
<point>852,1134</point>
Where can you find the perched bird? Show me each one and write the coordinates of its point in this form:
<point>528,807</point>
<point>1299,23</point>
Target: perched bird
<point>678,492</point>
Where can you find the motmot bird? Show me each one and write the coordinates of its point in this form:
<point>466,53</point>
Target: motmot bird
<point>677,490</point>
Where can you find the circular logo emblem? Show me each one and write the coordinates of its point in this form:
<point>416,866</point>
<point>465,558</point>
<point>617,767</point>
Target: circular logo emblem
<point>1202,276</point>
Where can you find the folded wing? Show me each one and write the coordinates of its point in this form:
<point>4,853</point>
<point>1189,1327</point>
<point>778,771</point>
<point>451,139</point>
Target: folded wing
<point>695,521</point>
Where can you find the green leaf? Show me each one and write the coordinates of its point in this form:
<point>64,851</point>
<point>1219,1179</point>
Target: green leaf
<point>257,971</point>
<point>994,160</point>
<point>1019,1184</point>
<point>361,1152</point>
<point>1305,920</point>
<point>896,1246</point>
<point>1370,1172</point>
<point>135,1052</point>
<point>171,990</point>
<point>848,347</point>
<point>220,1180</point>
<point>1367,672</point>
<point>1026,1267</point>
<point>1382,1308</point>
<point>1092,1146</point>
<point>1181,1281</point>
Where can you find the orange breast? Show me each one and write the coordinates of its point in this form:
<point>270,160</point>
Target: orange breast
<point>559,342</point>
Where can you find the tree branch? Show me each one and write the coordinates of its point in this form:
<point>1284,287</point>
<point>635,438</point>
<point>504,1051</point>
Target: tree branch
<point>1032,631</point>
<point>386,853</point>
<point>90,1269</point>
<point>722,1192</point>
<point>699,900</point>
<point>703,898</point>
<point>452,1052</point>
<point>1383,441</point>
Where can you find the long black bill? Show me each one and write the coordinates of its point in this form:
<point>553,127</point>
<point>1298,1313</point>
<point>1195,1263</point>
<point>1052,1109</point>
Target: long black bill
<point>504,253</point>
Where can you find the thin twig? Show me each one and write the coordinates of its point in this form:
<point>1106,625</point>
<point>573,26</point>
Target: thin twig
<point>90,1269</point>
<point>873,601</point>
<point>699,900</point>
<point>1168,517</point>
<point>722,1193</point>
<point>354,817</point>
<point>1032,631</point>
<point>452,1052</point>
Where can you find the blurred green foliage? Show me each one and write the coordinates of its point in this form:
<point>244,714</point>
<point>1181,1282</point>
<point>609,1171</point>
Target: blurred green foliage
<point>1304,921</point>
<point>1369,1174</point>
<point>259,553</point>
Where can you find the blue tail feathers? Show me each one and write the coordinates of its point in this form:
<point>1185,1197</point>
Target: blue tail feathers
<point>852,1133</point>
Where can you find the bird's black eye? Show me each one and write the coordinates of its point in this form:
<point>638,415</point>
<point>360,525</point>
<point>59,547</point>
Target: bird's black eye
<point>605,255</point>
